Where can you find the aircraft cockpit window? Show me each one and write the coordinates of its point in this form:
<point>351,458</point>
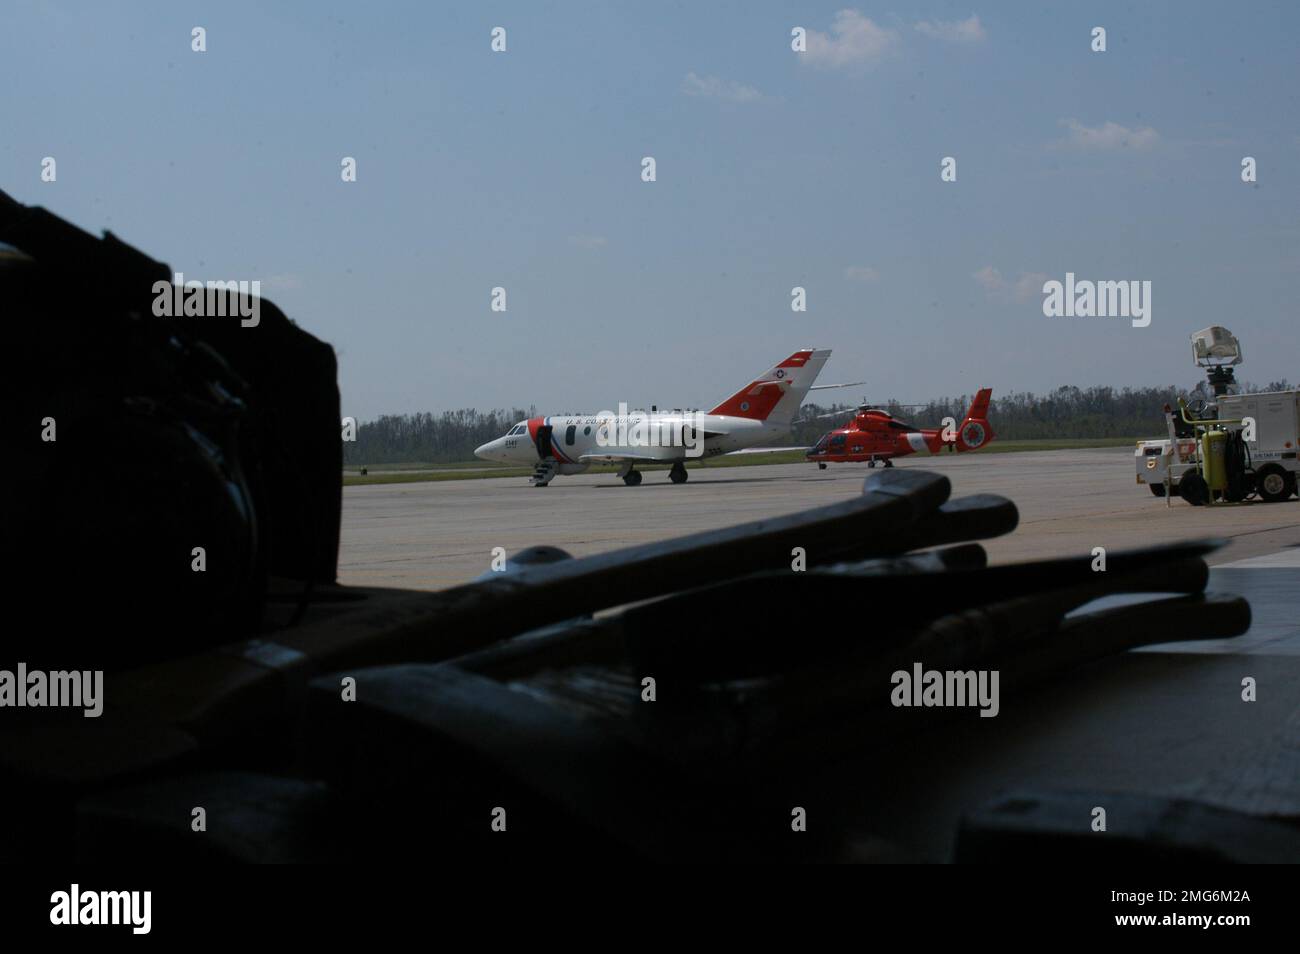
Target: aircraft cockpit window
<point>516,430</point>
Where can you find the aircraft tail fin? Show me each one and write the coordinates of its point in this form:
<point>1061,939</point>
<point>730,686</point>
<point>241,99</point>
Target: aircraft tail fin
<point>774,397</point>
<point>975,430</point>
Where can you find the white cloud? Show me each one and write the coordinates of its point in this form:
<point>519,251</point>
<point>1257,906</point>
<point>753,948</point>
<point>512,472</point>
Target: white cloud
<point>957,31</point>
<point>989,277</point>
<point>854,40</point>
<point>1108,136</point>
<point>1023,289</point>
<point>713,87</point>
<point>588,241</point>
<point>861,273</point>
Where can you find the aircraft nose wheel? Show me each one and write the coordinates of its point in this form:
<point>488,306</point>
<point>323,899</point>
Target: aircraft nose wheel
<point>678,473</point>
<point>632,478</point>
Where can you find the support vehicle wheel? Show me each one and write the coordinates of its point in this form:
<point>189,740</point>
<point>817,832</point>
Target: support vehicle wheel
<point>1157,490</point>
<point>1194,489</point>
<point>1272,484</point>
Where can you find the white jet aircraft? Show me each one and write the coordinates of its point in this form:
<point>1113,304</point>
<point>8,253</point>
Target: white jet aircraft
<point>759,412</point>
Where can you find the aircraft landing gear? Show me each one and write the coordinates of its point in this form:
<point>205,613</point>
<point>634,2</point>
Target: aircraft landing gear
<point>821,466</point>
<point>632,478</point>
<point>678,473</point>
<point>889,463</point>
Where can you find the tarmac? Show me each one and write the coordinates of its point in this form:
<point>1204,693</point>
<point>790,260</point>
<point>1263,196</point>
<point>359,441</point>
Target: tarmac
<point>429,536</point>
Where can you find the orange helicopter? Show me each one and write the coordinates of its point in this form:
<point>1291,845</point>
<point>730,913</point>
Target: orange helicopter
<point>876,435</point>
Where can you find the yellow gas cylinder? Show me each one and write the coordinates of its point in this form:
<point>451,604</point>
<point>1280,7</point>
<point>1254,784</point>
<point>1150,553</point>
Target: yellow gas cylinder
<point>1214,446</point>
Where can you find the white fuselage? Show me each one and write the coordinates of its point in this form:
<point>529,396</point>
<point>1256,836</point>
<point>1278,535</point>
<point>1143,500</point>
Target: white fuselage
<point>758,413</point>
<point>580,440</point>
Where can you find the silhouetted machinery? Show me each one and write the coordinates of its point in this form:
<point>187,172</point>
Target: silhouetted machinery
<point>162,472</point>
<point>668,701</point>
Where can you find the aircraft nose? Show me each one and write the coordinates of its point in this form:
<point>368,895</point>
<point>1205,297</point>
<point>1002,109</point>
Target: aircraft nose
<point>484,451</point>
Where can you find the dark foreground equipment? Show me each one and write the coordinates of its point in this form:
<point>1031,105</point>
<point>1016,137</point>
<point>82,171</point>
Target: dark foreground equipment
<point>811,686</point>
<point>140,440</point>
<point>508,694</point>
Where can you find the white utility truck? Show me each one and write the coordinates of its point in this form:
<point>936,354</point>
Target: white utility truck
<point>1238,446</point>
<point>1271,456</point>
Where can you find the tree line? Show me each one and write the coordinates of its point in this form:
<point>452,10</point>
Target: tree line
<point>449,437</point>
<point>1063,414</point>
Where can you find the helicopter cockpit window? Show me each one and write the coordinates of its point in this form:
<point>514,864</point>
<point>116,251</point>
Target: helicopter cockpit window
<point>838,440</point>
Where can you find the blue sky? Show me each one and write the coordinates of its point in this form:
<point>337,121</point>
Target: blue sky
<point>775,169</point>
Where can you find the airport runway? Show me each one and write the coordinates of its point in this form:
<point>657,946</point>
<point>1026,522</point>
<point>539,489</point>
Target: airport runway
<point>433,535</point>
